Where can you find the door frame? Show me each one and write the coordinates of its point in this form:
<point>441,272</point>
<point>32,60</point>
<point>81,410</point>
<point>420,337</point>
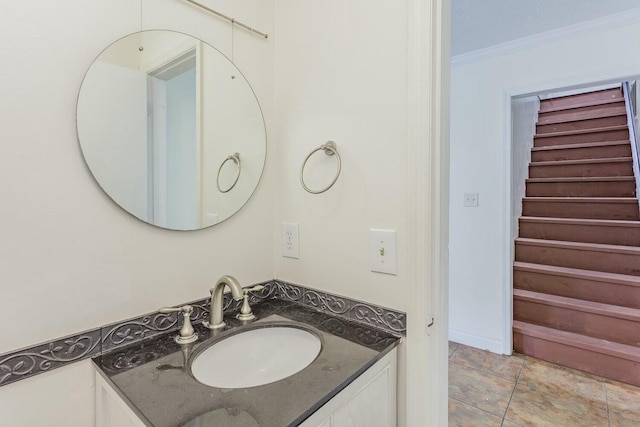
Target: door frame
<point>426,367</point>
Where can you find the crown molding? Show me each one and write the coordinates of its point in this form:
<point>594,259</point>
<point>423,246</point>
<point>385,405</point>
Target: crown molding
<point>629,17</point>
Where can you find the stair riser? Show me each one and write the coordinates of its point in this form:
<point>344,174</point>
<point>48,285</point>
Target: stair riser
<point>581,189</point>
<point>586,259</point>
<point>604,152</point>
<point>588,233</point>
<point>590,324</point>
<point>582,124</point>
<point>578,288</point>
<point>604,365</point>
<point>600,136</point>
<point>581,170</point>
<point>582,113</point>
<point>580,99</point>
<point>609,210</point>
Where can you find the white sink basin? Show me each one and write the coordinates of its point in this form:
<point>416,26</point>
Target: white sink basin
<point>256,357</point>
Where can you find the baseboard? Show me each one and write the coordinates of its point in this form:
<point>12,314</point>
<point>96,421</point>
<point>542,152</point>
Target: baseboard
<point>477,342</point>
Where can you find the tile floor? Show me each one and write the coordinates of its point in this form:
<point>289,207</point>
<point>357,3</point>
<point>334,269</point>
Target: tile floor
<point>487,389</point>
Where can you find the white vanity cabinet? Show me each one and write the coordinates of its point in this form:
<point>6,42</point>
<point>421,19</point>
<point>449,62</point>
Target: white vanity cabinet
<point>111,410</point>
<point>368,401</point>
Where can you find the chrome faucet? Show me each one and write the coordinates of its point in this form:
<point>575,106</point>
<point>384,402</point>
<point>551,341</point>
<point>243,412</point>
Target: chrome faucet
<point>216,309</point>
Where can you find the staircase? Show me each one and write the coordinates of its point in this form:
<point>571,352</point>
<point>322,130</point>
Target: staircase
<point>576,275</point>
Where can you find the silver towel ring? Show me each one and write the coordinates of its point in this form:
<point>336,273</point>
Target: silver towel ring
<point>329,149</point>
<point>236,159</point>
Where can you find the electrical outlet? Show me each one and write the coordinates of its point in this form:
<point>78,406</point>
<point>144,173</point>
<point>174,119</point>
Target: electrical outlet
<point>383,251</point>
<point>470,200</point>
<point>290,240</point>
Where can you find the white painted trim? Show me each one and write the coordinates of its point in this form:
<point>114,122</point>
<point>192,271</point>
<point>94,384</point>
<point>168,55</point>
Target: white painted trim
<point>476,342</point>
<point>507,237</point>
<point>616,20</point>
<point>428,211</point>
<point>577,91</point>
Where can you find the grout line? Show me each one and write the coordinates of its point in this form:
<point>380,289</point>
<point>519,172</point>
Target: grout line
<point>606,399</point>
<point>454,351</point>
<point>474,407</point>
<point>513,391</point>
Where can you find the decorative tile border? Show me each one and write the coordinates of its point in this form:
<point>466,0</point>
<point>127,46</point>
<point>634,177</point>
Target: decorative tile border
<point>31,361</point>
<point>368,314</point>
<point>44,357</point>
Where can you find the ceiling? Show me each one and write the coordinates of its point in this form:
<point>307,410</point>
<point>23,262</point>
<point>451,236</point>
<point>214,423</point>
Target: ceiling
<point>478,24</point>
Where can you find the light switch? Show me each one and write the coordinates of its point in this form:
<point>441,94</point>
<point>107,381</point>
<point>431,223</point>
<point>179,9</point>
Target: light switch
<point>470,200</point>
<point>383,251</point>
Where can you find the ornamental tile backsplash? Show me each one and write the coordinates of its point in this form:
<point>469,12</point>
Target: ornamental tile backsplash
<point>44,357</point>
<point>358,311</point>
<point>28,362</point>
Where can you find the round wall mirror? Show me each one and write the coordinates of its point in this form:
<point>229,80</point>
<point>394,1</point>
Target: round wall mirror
<point>171,130</point>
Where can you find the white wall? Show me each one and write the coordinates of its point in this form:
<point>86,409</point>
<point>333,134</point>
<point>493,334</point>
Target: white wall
<point>113,129</point>
<point>225,102</point>
<point>524,116</point>
<point>65,244</point>
<point>341,77</point>
<point>71,260</point>
<point>481,87</point>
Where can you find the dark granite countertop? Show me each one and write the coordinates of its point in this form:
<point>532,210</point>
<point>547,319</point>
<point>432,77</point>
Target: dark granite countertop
<point>152,379</point>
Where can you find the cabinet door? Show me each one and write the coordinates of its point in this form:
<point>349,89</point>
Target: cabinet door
<point>111,410</point>
<point>374,405</point>
<point>369,401</point>
<point>327,423</point>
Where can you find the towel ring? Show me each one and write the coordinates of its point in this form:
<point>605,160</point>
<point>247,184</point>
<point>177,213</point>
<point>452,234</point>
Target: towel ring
<point>329,149</point>
<point>236,159</point>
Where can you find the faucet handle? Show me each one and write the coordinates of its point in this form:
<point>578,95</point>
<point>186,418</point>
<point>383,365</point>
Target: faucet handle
<point>245,311</point>
<point>256,288</point>
<point>187,333</point>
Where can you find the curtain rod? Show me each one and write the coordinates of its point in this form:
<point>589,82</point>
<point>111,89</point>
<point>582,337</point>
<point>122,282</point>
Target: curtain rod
<point>228,18</point>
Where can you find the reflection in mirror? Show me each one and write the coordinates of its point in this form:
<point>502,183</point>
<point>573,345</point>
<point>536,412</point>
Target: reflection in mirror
<point>159,114</point>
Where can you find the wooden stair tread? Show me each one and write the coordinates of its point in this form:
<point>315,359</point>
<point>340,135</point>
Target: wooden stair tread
<point>573,124</point>
<point>580,105</point>
<point>581,145</point>
<point>594,247</point>
<point>584,179</point>
<point>582,199</point>
<point>601,276</point>
<point>582,221</point>
<point>596,345</point>
<point>580,131</point>
<point>602,309</point>
<point>582,161</point>
<point>567,116</point>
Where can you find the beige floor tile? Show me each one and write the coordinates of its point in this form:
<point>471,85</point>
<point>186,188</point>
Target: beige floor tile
<point>507,423</point>
<point>500,365</point>
<point>563,383</point>
<point>479,389</point>
<point>463,415</point>
<point>615,420</point>
<point>545,394</point>
<point>624,404</point>
<point>540,409</point>
<point>548,395</point>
